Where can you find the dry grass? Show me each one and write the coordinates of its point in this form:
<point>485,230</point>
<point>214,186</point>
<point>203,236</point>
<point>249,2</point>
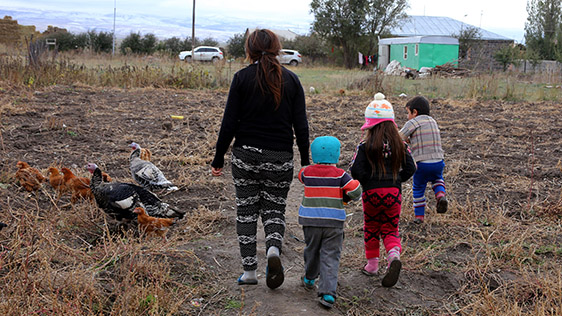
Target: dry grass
<point>65,261</point>
<point>496,252</point>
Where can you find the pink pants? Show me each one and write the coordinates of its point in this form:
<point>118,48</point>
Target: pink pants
<point>381,209</point>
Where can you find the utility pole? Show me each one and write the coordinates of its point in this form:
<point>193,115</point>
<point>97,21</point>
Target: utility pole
<point>114,13</point>
<point>193,30</point>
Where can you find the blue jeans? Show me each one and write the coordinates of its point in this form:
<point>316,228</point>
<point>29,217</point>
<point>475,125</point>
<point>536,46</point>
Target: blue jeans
<point>427,172</point>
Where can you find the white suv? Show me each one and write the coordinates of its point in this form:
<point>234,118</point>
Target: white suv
<point>202,53</point>
<point>290,57</point>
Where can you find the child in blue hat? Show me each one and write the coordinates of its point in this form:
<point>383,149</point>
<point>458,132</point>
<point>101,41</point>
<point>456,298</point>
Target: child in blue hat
<point>322,216</point>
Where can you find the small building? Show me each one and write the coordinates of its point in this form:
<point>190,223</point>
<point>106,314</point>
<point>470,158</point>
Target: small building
<point>418,51</point>
<point>476,54</point>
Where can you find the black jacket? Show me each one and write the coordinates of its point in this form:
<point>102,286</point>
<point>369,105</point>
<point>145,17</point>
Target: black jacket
<point>361,170</point>
<point>251,119</point>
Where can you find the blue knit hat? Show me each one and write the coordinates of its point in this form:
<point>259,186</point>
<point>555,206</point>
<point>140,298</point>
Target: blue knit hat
<point>325,149</point>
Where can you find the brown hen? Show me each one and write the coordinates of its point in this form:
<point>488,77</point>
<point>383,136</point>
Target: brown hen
<point>56,180</point>
<point>28,177</point>
<point>149,224</point>
<point>79,186</point>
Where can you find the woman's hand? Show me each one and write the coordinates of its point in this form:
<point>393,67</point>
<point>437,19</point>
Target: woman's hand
<point>216,171</point>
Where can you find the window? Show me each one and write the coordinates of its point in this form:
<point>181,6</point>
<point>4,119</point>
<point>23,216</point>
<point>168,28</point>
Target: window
<point>405,52</point>
<point>417,49</point>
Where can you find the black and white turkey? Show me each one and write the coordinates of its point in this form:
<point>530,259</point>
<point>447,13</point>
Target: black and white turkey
<point>119,199</point>
<point>146,173</point>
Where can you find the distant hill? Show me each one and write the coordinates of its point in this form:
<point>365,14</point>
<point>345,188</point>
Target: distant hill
<point>217,27</point>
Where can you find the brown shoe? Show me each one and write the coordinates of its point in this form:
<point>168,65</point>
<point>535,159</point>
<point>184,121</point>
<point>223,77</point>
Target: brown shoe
<point>442,205</point>
<point>392,274</point>
<point>418,221</point>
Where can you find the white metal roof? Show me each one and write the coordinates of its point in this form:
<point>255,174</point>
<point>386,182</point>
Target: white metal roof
<point>446,40</point>
<point>417,25</point>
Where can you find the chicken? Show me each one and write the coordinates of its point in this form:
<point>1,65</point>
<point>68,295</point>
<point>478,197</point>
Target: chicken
<point>29,178</point>
<point>118,199</point>
<point>79,186</point>
<point>149,224</point>
<point>56,180</point>
<point>145,153</point>
<point>104,176</point>
<point>146,173</point>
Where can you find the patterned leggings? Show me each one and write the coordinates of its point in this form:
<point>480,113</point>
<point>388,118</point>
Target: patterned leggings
<point>381,209</point>
<point>262,179</point>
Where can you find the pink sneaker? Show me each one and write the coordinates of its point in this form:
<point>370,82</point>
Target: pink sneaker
<point>372,267</point>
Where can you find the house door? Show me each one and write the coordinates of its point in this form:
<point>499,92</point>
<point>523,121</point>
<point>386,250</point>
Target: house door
<point>384,56</point>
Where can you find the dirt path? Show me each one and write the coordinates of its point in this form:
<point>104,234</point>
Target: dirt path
<point>289,299</point>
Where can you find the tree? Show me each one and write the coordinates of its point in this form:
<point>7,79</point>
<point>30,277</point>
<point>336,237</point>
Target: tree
<point>82,40</point>
<point>533,57</point>
<point>172,45</point>
<point>346,24</point>
<point>209,41</point>
<point>507,55</point>
<point>186,44</point>
<point>543,23</point>
<point>148,43</point>
<point>382,15</point>
<point>135,43</point>
<point>311,46</point>
<point>341,23</point>
<point>236,45</point>
<point>467,37</point>
<point>101,42</point>
<point>131,44</point>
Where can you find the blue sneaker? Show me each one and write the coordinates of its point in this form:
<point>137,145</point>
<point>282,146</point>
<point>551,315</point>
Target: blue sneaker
<point>308,284</point>
<point>246,282</point>
<point>327,300</point>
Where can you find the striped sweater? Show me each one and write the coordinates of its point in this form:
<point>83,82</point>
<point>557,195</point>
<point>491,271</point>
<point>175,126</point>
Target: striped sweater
<point>324,190</point>
<point>424,136</point>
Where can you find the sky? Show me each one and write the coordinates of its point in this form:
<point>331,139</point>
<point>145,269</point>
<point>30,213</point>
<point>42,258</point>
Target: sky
<point>223,18</point>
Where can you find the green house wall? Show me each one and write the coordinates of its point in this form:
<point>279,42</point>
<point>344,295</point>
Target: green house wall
<point>429,55</point>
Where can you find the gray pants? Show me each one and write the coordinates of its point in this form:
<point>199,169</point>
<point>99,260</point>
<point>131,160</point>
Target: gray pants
<point>322,256</point>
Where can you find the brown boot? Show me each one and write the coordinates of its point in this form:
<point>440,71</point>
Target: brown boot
<point>442,204</point>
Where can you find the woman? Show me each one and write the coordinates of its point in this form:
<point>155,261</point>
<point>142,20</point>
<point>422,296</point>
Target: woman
<point>265,105</point>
